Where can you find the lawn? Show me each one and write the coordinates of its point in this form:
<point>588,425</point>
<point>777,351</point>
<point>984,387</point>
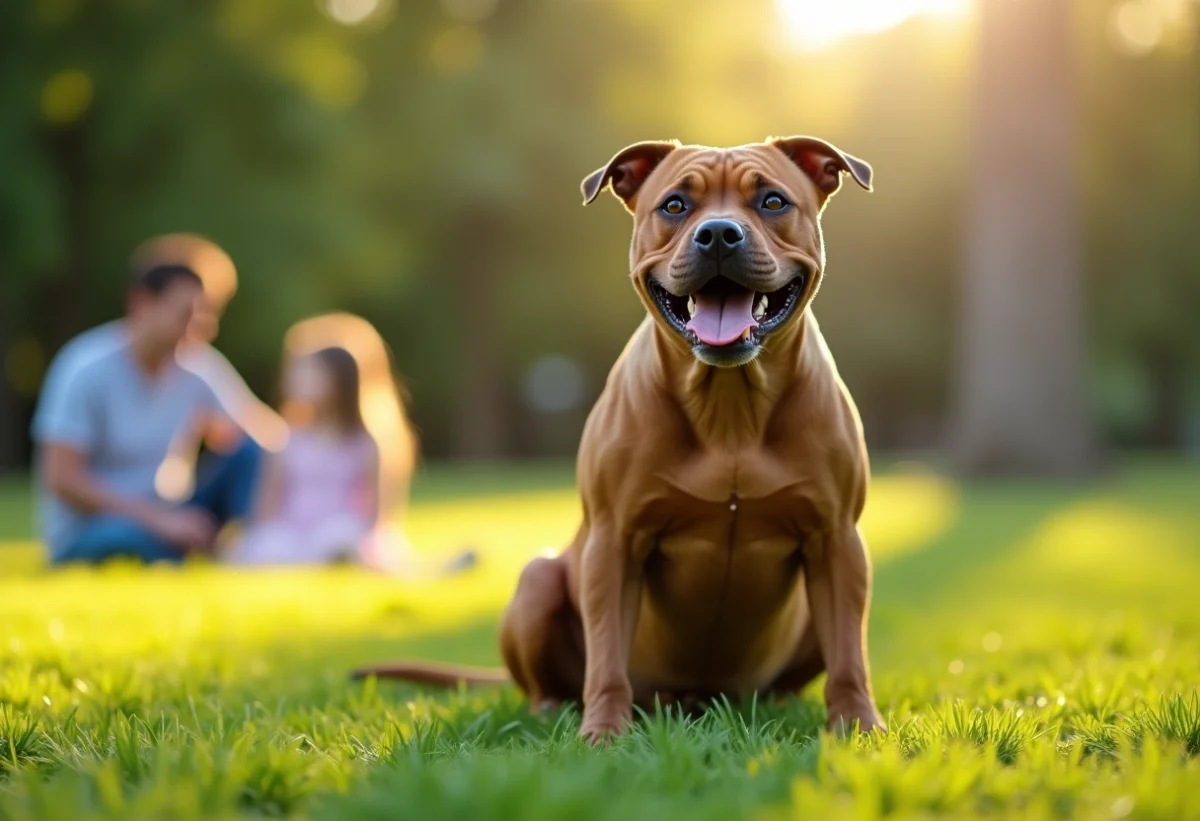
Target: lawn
<point>1036,650</point>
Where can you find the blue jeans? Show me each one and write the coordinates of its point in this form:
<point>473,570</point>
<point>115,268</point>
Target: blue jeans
<point>225,489</point>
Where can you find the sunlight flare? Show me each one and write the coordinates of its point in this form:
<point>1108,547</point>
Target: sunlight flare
<point>817,24</point>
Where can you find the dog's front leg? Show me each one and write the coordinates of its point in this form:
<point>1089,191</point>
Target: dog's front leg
<point>610,594</point>
<point>838,578</point>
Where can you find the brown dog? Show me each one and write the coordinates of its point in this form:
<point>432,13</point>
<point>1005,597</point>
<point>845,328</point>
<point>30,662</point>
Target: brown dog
<point>723,470</point>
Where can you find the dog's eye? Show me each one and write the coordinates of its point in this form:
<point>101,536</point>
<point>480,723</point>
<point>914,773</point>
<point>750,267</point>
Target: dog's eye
<point>674,206</point>
<point>774,202</point>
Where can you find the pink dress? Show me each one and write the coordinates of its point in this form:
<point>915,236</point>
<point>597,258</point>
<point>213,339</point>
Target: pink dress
<point>324,510</point>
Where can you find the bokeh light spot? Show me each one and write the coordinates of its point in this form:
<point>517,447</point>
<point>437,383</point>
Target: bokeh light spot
<point>352,12</point>
<point>66,97</point>
<point>1136,28</point>
<point>330,75</point>
<point>553,384</point>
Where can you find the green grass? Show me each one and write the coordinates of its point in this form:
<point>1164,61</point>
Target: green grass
<point>1036,649</point>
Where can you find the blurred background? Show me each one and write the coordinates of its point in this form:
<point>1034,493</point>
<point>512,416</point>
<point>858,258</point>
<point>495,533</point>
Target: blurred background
<point>1018,294</point>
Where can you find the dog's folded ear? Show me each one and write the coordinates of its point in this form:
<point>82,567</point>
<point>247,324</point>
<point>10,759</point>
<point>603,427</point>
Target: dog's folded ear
<point>824,163</point>
<point>627,171</point>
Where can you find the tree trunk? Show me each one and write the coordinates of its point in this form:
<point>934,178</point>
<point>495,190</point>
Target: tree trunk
<point>69,151</point>
<point>482,432</point>
<point>1167,370</point>
<point>10,428</point>
<point>1021,404</point>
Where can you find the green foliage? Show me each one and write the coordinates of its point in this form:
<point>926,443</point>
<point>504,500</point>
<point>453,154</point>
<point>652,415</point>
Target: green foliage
<point>423,170</point>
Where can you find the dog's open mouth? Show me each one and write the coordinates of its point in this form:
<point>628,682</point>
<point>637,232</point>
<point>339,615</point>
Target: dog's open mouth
<point>724,316</point>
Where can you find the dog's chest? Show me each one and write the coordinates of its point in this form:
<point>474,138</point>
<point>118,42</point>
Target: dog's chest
<point>721,587</point>
<point>741,554</point>
<point>729,507</point>
<point>719,475</point>
<point>732,529</point>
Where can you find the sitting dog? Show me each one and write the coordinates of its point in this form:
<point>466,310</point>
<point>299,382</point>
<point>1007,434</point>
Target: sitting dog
<point>722,470</point>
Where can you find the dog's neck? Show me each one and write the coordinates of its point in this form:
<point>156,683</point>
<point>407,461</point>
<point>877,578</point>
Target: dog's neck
<point>731,408</point>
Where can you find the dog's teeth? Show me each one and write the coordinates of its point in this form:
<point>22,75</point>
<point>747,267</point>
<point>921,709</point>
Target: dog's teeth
<point>760,308</point>
<point>691,307</point>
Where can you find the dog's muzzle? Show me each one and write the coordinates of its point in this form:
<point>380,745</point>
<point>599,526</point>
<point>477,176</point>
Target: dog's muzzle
<point>725,322</point>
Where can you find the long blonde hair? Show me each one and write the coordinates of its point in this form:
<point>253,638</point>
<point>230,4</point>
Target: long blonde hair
<point>383,410</point>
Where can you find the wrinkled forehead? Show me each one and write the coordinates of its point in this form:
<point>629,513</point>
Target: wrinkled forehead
<point>703,172</point>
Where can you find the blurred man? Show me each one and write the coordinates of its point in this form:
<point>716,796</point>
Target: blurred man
<point>219,276</point>
<point>118,412</point>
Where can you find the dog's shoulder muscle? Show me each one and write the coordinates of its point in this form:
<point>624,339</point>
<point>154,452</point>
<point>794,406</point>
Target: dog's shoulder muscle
<point>634,430</point>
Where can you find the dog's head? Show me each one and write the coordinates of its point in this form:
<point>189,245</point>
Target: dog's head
<point>727,249</point>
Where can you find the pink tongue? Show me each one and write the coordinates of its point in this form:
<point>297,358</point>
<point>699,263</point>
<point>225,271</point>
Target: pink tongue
<point>720,320</point>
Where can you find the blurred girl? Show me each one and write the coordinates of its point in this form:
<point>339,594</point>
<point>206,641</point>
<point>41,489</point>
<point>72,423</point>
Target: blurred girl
<point>382,406</point>
<point>339,490</point>
<point>318,501</point>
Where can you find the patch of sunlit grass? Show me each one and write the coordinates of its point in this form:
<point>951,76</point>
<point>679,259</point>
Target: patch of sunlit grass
<point>1111,547</point>
<point>1036,651</point>
<point>906,510</point>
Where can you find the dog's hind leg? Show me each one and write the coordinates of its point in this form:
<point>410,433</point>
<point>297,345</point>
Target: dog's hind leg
<point>541,637</point>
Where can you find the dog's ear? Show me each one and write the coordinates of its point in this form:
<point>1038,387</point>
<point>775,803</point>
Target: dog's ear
<point>824,163</point>
<point>626,171</point>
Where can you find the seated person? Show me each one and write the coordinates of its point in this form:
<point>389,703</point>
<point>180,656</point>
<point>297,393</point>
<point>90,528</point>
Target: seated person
<point>330,496</point>
<point>214,267</point>
<point>102,444</point>
<point>319,499</point>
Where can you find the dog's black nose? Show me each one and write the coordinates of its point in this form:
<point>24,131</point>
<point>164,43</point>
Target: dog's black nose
<point>718,238</point>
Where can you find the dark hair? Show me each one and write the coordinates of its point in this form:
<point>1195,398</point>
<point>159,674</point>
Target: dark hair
<point>158,278</point>
<point>343,370</point>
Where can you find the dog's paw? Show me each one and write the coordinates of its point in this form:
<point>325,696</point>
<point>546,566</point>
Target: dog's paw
<point>600,726</point>
<point>864,719</point>
<point>599,735</point>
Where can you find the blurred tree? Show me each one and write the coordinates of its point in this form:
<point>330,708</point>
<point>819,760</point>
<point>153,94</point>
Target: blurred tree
<point>1141,106</point>
<point>1022,398</point>
<point>497,132</point>
<point>418,163</point>
<point>127,119</point>
<point>9,409</point>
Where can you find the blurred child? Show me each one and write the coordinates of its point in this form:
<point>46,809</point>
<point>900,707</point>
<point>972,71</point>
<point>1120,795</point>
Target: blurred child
<point>318,500</point>
<point>339,489</point>
<point>383,409</point>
